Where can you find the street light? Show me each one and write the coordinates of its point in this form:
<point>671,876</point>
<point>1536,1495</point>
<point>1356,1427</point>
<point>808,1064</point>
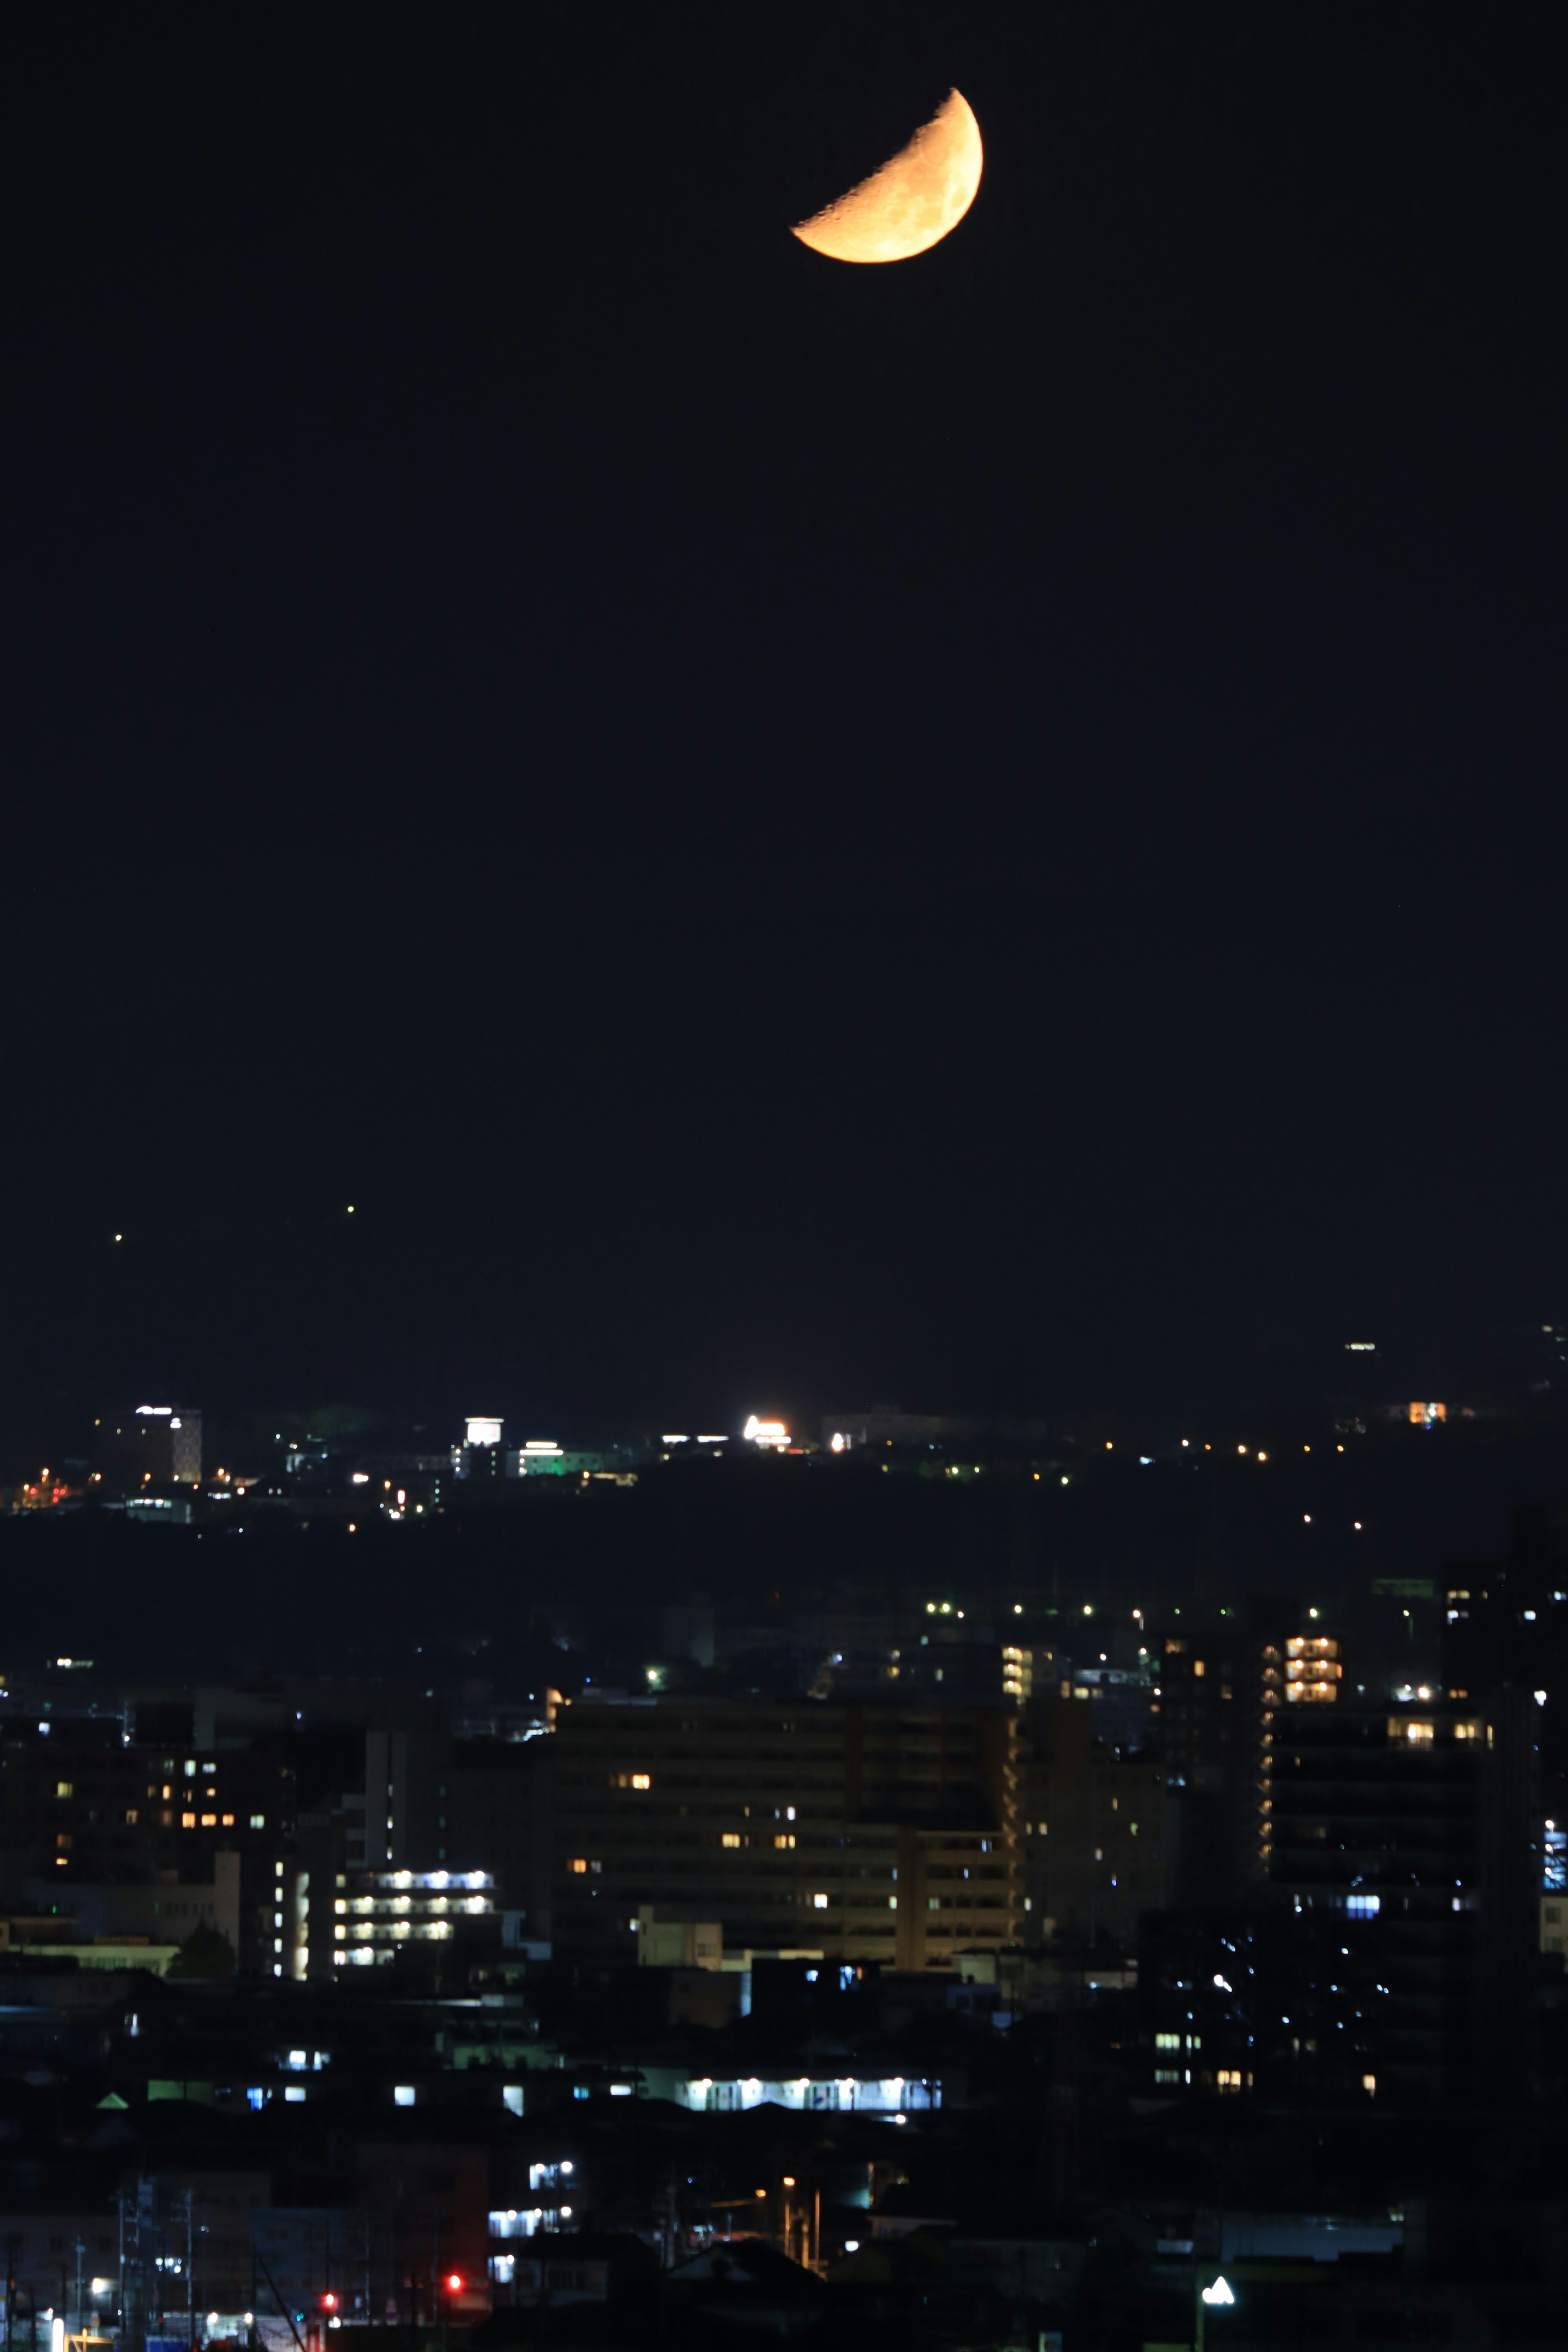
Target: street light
<point>1218,2297</point>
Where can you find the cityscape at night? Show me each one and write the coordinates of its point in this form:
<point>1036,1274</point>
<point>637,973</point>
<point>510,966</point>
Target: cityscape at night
<point>784,1407</point>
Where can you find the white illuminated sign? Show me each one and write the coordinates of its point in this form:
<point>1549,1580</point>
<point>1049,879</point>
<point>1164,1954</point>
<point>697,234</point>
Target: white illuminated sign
<point>481,1431</point>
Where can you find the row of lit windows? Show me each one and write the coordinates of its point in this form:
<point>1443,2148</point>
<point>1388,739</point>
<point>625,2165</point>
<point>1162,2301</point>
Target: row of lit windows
<point>395,1904</point>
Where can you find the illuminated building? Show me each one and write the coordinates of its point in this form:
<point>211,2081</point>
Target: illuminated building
<point>374,1912</point>
<point>150,1445</point>
<point>1416,1822</point>
<point>133,1837</point>
<point>864,1832</point>
<point>1223,1687</point>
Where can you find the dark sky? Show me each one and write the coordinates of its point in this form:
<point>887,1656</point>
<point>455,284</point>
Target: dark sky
<point>987,830</point>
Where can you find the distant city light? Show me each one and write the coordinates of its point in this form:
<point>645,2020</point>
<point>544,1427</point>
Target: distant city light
<point>766,1433</point>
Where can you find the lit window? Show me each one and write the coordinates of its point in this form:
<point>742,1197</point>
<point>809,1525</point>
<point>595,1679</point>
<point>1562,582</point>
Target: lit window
<point>403,2095</point>
<point>1466,1731</point>
<point>730,1838</point>
<point>209,1821</point>
<point>1369,2084</point>
<point>786,1840</point>
<point>131,1818</point>
<point>64,1789</point>
<point>259,1821</point>
<point>187,1821</point>
<point>63,1840</point>
<point>1167,2042</point>
<point>1419,1733</point>
<point>229,1821</point>
<point>642,1780</point>
<point>819,1902</point>
<point>1228,2078</point>
<point>579,1866</point>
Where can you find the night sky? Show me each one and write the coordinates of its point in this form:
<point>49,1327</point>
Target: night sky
<point>987,831</point>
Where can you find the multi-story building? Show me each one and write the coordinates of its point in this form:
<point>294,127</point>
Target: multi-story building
<point>1415,1823</point>
<point>88,1819</point>
<point>1506,1626</point>
<point>1222,1687</point>
<point>1098,1828</point>
<point>373,1912</point>
<point>869,1832</point>
<point>148,1445</point>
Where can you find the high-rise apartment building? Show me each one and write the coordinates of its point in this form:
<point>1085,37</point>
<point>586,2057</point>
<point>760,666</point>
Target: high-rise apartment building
<point>1097,1826</point>
<point>1225,1688</point>
<point>1413,1823</point>
<point>866,1832</point>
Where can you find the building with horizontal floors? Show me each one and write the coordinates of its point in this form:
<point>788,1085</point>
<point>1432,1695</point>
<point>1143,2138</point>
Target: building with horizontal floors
<point>1098,1828</point>
<point>1223,1687</point>
<point>1414,1823</point>
<point>376,1912</point>
<point>869,1832</point>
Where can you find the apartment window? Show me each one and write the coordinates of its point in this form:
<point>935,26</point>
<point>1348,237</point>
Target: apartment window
<point>784,1841</point>
<point>1228,2078</point>
<point>1167,2042</point>
<point>209,1821</point>
<point>642,1780</point>
<point>229,1821</point>
<point>259,1821</point>
<point>63,1840</point>
<point>131,1818</point>
<point>64,1789</point>
<point>1369,2084</point>
<point>187,1821</point>
<point>1466,1731</point>
<point>1419,1732</point>
<point>578,1866</point>
<point>730,1838</point>
<point>819,1902</point>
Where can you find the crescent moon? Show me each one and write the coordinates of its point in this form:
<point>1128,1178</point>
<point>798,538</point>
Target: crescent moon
<point>913,201</point>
